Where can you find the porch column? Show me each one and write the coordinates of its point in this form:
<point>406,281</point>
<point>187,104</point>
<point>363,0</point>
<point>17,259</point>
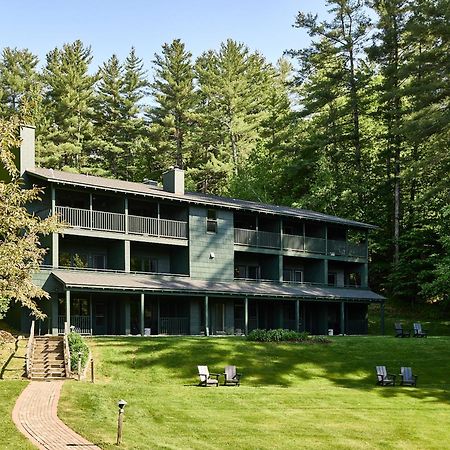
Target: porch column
<point>91,214</point>
<point>342,326</point>
<point>142,313</point>
<point>297,315</point>
<point>68,309</point>
<point>246,315</point>
<point>55,250</point>
<point>127,317</point>
<point>54,305</point>
<point>126,214</point>
<point>127,264</point>
<point>206,316</point>
<point>382,317</point>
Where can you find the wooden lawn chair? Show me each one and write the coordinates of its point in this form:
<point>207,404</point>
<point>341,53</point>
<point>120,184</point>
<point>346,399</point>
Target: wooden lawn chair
<point>232,378</point>
<point>399,332</point>
<point>407,377</point>
<point>206,377</point>
<point>383,377</point>
<point>418,331</point>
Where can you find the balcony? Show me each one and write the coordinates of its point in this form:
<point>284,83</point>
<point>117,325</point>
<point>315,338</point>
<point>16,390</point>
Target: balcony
<point>252,238</point>
<point>343,248</point>
<point>306,244</point>
<point>121,223</point>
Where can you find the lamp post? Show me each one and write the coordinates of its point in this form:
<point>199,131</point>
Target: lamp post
<point>121,404</point>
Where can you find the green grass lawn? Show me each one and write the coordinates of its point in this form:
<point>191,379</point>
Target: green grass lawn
<point>10,389</point>
<point>292,395</point>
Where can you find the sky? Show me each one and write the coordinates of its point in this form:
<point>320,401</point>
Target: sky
<point>113,27</point>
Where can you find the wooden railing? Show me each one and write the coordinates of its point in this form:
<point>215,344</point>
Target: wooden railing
<point>81,324</point>
<point>174,325</point>
<point>307,244</point>
<point>67,359</point>
<point>109,221</point>
<point>30,348</point>
<point>254,238</point>
<point>344,248</point>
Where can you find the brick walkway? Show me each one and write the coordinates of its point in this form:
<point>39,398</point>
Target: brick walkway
<point>35,416</point>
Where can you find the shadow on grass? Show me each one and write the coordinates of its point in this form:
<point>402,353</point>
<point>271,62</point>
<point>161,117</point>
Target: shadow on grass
<point>348,362</point>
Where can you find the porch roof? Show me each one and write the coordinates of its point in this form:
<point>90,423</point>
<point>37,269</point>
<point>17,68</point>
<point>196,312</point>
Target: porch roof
<point>101,281</point>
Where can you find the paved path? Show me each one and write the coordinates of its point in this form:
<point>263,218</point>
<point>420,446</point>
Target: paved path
<point>35,416</point>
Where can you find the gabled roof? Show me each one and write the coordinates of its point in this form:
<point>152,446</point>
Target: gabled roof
<point>98,281</point>
<point>142,189</point>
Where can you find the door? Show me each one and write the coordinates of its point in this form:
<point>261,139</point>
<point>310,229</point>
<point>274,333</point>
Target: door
<point>218,318</point>
<point>100,317</point>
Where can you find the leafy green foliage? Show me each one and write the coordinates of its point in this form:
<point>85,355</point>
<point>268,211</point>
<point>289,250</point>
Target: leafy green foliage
<point>78,351</point>
<point>20,232</point>
<point>280,335</point>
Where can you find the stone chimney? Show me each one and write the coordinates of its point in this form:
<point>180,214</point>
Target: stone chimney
<point>173,180</point>
<point>25,157</point>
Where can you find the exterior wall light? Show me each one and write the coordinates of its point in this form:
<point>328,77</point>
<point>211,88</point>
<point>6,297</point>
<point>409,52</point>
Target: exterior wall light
<point>212,255</point>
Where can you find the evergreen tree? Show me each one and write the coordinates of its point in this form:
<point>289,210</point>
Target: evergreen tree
<point>172,116</point>
<point>20,84</point>
<point>234,86</point>
<point>68,100</point>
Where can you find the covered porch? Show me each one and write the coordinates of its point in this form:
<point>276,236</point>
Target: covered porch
<point>118,304</point>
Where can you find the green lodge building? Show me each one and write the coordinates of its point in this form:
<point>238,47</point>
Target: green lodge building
<point>138,258</point>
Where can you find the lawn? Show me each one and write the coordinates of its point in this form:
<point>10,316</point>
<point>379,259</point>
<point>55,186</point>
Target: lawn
<point>10,389</point>
<point>292,395</point>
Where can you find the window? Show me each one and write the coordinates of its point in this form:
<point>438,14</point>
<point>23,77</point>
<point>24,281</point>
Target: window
<point>249,272</point>
<point>99,261</point>
<point>143,264</point>
<point>293,275</point>
<point>211,221</point>
<point>332,278</point>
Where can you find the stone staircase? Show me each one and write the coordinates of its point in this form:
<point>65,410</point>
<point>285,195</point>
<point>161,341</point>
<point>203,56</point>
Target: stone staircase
<point>48,358</point>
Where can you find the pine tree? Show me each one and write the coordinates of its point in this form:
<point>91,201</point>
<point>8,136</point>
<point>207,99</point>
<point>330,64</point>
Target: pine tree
<point>172,117</point>
<point>234,90</point>
<point>69,104</point>
<point>20,84</point>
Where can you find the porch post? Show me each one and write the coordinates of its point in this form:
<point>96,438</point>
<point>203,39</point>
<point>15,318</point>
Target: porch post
<point>126,214</point>
<point>91,214</point>
<point>127,317</point>
<point>246,315</point>
<point>206,316</point>
<point>382,317</point>
<point>55,324</point>
<point>142,313</point>
<point>297,315</point>
<point>127,264</point>
<point>68,309</point>
<point>91,316</point>
<point>55,250</point>
<point>342,326</point>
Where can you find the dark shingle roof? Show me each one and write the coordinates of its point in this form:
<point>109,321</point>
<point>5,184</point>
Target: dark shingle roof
<point>142,189</point>
<point>177,285</point>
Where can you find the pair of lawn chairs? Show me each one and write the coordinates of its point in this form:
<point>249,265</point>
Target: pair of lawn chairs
<point>231,377</point>
<point>417,330</point>
<point>384,378</point>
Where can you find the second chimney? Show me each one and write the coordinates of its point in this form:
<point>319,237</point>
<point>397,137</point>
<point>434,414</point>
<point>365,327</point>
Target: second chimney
<point>173,181</point>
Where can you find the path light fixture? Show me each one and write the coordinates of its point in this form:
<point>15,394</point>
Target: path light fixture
<point>121,404</point>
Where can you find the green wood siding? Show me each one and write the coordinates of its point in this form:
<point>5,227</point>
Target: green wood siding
<point>203,244</point>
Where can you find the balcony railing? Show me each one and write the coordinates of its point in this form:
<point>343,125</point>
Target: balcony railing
<point>108,221</point>
<point>303,244</point>
<point>81,324</point>
<point>254,238</point>
<point>343,248</point>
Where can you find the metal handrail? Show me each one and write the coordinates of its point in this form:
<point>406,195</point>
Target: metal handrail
<point>30,350</point>
<point>67,361</point>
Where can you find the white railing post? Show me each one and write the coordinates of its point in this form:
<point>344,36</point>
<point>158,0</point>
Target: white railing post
<point>30,349</point>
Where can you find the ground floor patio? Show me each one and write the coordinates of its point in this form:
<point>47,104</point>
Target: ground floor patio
<point>154,314</point>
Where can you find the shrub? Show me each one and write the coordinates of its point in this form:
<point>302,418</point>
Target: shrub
<point>280,335</point>
<point>77,346</point>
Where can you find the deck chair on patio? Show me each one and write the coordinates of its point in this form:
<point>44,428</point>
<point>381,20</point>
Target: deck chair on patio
<point>206,377</point>
<point>407,377</point>
<point>399,331</point>
<point>383,377</point>
<point>418,331</point>
<point>232,378</point>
